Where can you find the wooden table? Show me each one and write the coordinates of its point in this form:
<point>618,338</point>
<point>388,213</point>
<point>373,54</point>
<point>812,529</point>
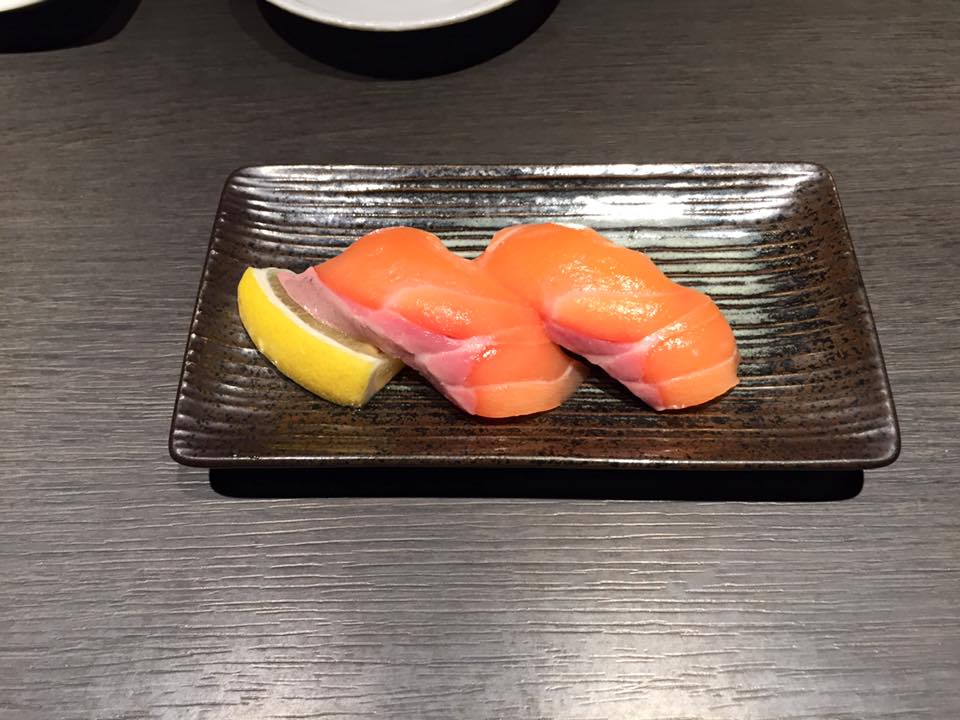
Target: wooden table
<point>132,588</point>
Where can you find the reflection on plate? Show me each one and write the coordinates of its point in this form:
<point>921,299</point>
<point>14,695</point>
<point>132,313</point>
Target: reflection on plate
<point>767,242</point>
<point>391,15</point>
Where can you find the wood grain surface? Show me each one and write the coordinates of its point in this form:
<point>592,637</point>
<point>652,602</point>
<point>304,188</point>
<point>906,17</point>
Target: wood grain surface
<point>132,587</point>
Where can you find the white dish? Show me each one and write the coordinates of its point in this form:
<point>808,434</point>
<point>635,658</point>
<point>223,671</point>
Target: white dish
<point>389,15</point>
<point>17,4</point>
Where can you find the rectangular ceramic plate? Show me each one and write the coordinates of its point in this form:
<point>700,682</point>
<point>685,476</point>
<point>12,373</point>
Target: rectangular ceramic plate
<point>768,242</point>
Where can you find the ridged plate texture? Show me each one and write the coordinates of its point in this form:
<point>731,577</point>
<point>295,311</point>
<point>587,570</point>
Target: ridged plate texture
<point>767,241</point>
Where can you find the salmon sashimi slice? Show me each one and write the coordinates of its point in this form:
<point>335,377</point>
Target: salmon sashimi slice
<point>478,343</point>
<point>669,344</point>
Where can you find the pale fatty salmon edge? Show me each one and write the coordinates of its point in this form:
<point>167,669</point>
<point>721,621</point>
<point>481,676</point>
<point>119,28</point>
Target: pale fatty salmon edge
<point>262,278</point>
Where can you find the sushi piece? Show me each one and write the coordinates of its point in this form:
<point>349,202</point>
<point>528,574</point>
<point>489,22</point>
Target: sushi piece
<point>403,291</point>
<point>668,344</point>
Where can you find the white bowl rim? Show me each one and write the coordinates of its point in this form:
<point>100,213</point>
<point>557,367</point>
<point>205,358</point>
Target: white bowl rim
<point>305,10</point>
<point>17,4</point>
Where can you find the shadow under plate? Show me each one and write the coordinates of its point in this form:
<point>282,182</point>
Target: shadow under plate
<point>600,484</point>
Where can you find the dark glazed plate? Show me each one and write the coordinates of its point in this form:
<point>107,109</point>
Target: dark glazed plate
<point>768,242</point>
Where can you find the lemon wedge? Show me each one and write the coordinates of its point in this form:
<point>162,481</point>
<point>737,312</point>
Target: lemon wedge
<point>326,362</point>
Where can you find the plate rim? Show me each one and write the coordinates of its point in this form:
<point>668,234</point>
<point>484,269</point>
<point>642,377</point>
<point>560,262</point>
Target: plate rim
<point>528,461</point>
<point>11,5</point>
